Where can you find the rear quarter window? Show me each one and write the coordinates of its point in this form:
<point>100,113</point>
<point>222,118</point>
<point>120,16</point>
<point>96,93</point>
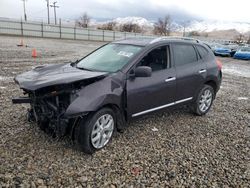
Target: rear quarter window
<point>184,54</point>
<point>202,51</point>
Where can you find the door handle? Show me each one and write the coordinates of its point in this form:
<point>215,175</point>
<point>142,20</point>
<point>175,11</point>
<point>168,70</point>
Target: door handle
<point>170,79</point>
<point>202,71</point>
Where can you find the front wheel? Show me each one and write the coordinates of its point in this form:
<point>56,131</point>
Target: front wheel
<point>96,131</point>
<point>204,100</point>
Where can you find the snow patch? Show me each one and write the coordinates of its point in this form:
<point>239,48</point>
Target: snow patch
<point>154,129</point>
<point>242,98</point>
<point>236,71</point>
<point>4,78</point>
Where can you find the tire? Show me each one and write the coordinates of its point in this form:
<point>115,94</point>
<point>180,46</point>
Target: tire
<point>88,129</point>
<point>204,100</point>
<point>43,125</point>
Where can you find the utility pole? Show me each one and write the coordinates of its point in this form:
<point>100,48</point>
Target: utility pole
<point>184,30</point>
<point>48,10</point>
<point>54,5</point>
<point>185,25</point>
<point>24,10</point>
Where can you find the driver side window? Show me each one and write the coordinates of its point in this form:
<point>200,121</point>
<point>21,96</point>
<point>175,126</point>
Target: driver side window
<point>157,59</point>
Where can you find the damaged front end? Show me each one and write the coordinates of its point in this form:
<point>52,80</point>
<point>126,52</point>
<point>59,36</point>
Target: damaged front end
<point>48,106</point>
<point>50,90</point>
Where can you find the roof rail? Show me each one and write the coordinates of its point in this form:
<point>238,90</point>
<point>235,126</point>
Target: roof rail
<point>137,37</point>
<point>173,37</point>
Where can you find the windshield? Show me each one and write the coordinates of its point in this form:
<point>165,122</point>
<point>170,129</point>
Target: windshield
<point>109,58</point>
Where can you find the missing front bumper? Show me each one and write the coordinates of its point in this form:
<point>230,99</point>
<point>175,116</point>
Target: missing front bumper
<point>20,100</point>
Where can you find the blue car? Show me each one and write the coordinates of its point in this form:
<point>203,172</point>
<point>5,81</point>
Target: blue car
<point>223,50</point>
<point>243,53</point>
<point>213,46</point>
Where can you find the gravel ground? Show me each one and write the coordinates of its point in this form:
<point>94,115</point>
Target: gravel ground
<point>183,150</point>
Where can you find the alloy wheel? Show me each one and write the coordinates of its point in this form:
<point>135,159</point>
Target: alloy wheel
<point>102,131</point>
<point>205,100</point>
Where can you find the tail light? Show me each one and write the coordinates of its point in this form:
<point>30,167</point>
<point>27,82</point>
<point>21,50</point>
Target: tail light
<point>219,64</point>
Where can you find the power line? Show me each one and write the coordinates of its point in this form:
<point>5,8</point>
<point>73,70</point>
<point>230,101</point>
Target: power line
<point>54,5</point>
<point>37,12</point>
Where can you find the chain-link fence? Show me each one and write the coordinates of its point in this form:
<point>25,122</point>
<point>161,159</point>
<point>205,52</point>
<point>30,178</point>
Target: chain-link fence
<point>39,29</point>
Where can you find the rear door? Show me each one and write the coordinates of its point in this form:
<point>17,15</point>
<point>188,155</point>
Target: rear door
<point>156,92</point>
<point>190,71</point>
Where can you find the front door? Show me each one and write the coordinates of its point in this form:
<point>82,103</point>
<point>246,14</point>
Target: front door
<point>146,94</point>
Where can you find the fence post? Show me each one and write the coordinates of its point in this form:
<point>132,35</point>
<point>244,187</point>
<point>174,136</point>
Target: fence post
<point>88,34</point>
<point>102,35</point>
<point>113,35</point>
<point>60,27</point>
<point>42,29</point>
<point>74,33</point>
<point>21,27</point>
<point>125,35</point>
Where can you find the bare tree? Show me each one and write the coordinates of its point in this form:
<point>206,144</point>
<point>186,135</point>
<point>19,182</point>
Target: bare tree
<point>194,33</point>
<point>163,26</point>
<point>240,38</point>
<point>248,40</point>
<point>108,26</point>
<point>184,24</point>
<point>83,21</point>
<point>130,27</point>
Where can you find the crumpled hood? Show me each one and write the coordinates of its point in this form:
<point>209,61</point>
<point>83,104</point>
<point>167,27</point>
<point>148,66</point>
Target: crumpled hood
<point>48,75</point>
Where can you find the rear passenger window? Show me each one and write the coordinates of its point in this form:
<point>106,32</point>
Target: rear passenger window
<point>184,54</point>
<point>202,51</point>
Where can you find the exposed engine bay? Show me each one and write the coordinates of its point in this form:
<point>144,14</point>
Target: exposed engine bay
<point>48,103</point>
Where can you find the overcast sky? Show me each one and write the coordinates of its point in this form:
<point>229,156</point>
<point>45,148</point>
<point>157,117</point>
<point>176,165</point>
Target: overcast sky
<point>224,10</point>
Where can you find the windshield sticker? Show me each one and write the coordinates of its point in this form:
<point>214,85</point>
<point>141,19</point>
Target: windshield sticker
<point>126,54</point>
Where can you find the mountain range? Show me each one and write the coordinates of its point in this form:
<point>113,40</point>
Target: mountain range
<point>193,25</point>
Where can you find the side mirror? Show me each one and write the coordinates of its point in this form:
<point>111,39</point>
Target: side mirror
<point>143,71</point>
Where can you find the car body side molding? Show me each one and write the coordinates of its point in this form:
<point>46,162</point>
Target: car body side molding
<point>161,107</point>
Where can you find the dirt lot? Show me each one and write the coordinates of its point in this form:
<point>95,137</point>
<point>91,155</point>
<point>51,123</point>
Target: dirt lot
<point>185,151</point>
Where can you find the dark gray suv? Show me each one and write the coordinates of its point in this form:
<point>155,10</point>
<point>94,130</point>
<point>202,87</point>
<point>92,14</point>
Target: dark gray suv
<point>95,96</point>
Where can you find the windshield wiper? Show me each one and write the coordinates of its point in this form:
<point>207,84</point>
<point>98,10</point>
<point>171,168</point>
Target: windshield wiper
<point>83,68</point>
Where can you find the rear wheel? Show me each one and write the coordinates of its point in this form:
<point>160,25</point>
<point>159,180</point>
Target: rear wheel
<point>96,131</point>
<point>204,100</point>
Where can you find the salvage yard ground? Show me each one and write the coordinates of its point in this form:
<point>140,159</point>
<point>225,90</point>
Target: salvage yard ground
<point>173,148</point>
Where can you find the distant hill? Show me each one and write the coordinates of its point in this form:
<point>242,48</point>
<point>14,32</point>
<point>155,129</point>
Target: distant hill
<point>212,25</point>
<point>205,28</point>
<point>134,20</point>
<point>212,28</point>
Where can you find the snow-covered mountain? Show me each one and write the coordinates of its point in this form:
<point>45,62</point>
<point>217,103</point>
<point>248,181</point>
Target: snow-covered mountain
<point>200,26</point>
<point>212,25</point>
<point>142,22</point>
